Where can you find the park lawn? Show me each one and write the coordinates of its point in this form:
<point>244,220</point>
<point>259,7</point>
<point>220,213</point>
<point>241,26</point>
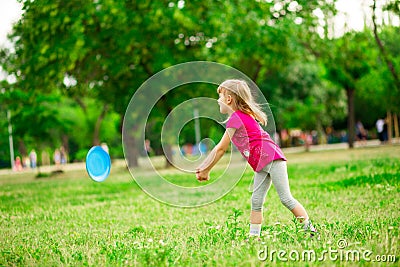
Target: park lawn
<point>67,219</point>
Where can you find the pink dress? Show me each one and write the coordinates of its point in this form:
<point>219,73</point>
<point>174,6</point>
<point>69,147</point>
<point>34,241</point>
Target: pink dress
<point>252,141</point>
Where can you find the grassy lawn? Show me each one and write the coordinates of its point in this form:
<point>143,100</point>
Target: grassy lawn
<point>67,219</point>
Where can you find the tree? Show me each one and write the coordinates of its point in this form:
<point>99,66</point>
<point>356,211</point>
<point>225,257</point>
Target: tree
<point>101,50</point>
<point>386,56</point>
<point>307,100</point>
<point>67,47</point>
<point>98,53</point>
<point>348,62</point>
<point>35,118</point>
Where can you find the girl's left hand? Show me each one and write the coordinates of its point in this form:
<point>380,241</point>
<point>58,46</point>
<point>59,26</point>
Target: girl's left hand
<point>202,175</point>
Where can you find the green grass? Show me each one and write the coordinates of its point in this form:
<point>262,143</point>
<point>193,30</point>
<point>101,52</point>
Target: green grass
<point>69,220</point>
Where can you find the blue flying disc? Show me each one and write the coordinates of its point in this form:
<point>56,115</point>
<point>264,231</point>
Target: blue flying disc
<point>98,164</point>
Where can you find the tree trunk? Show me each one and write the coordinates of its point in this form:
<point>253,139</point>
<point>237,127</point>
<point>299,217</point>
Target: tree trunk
<point>131,154</point>
<point>96,132</point>
<point>257,72</point>
<point>167,151</point>
<point>350,117</point>
<point>22,148</point>
<point>168,156</point>
<point>389,126</point>
<point>65,144</point>
<point>396,127</point>
<point>131,151</point>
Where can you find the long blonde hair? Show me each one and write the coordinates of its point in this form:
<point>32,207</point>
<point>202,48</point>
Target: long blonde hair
<point>243,98</point>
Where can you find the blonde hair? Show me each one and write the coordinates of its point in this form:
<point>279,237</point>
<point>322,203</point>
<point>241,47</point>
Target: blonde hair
<point>243,99</point>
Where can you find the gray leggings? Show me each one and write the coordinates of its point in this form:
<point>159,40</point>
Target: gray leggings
<point>276,171</point>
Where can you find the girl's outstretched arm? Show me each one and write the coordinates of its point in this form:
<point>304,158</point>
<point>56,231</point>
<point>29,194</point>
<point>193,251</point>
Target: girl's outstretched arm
<point>203,171</point>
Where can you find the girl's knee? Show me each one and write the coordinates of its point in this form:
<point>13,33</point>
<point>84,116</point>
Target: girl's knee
<point>256,203</point>
<point>289,202</point>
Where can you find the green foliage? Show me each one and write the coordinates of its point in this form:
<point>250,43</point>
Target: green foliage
<point>349,59</point>
<point>77,64</point>
<point>378,85</point>
<point>393,6</point>
<point>306,100</point>
<point>81,134</point>
<point>4,141</point>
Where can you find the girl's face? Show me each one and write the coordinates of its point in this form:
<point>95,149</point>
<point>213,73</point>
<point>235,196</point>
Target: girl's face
<point>224,102</point>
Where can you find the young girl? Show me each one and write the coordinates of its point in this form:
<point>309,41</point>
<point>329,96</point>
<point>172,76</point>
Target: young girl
<point>255,144</point>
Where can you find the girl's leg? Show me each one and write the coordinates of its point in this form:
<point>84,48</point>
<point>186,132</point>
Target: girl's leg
<point>300,212</point>
<point>280,180</point>
<point>256,217</point>
<point>262,183</point>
